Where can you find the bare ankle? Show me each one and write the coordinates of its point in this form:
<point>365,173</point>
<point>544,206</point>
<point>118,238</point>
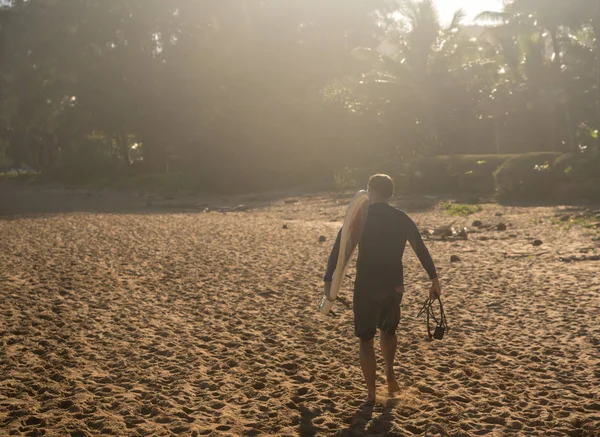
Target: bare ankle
<point>393,388</point>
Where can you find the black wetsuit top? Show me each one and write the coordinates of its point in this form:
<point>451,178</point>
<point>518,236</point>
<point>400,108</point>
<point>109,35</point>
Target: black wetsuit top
<point>382,246</point>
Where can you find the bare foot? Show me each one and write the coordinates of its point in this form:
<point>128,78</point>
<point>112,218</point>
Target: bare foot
<point>393,387</point>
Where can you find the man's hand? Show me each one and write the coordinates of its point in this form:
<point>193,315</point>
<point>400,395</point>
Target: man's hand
<point>327,290</point>
<point>436,290</point>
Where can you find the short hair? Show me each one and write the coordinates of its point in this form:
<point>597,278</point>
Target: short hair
<point>381,184</point>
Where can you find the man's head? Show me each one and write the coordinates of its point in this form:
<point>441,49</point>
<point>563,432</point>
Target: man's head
<point>381,188</point>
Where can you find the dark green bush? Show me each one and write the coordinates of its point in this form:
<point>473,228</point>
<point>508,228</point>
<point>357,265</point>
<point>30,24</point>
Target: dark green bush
<point>87,163</point>
<point>347,178</point>
<point>18,176</point>
<point>578,167</point>
<point>455,174</point>
<point>579,176</point>
<point>531,176</point>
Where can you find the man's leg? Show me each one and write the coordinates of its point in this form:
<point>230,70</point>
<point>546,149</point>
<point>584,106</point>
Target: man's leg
<point>389,320</point>
<point>389,344</point>
<point>365,328</point>
<point>368,365</point>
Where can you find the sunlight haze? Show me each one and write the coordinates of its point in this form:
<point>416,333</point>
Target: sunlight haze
<point>251,217</point>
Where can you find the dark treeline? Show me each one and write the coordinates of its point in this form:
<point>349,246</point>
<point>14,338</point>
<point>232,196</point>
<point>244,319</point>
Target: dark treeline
<point>269,92</point>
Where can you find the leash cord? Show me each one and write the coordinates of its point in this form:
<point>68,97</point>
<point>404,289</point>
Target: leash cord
<point>427,309</point>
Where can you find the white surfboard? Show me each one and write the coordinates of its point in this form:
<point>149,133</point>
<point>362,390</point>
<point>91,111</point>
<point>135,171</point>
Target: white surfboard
<point>352,229</point>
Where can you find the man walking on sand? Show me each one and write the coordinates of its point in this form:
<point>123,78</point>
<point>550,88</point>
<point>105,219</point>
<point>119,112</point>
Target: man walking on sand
<point>379,284</point>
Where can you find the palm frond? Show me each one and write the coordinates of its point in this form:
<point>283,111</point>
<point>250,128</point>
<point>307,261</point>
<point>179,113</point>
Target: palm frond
<point>493,16</point>
<point>419,14</point>
<point>409,10</point>
<point>457,19</point>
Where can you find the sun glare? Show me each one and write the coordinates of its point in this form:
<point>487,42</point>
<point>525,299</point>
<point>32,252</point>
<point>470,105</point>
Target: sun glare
<point>471,8</point>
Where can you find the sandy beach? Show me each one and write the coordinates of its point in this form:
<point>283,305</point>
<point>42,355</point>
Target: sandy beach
<point>135,317</point>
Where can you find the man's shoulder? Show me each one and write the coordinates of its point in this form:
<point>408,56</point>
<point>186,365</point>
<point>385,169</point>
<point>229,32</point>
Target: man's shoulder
<point>398,213</point>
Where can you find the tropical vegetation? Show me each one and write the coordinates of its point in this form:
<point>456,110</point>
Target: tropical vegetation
<point>243,95</point>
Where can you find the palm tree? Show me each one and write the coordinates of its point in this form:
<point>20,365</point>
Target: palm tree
<point>533,16</point>
<point>527,32</point>
<point>426,77</point>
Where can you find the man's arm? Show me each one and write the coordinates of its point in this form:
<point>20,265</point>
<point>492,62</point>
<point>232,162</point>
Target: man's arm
<point>333,258</point>
<point>416,242</point>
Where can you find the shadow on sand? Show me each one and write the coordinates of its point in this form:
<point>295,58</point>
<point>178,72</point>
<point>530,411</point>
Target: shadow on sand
<point>371,420</point>
<point>18,201</point>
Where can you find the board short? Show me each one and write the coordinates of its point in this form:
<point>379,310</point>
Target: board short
<point>376,306</point>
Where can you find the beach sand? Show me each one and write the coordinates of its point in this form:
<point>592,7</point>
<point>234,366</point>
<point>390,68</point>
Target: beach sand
<point>141,320</point>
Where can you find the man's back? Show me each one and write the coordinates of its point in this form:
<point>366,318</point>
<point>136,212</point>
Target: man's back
<point>382,247</point>
<point>383,243</point>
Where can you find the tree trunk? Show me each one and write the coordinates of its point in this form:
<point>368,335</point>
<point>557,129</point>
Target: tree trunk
<point>18,148</point>
<point>570,132</point>
<point>497,135</point>
<point>553,135</point>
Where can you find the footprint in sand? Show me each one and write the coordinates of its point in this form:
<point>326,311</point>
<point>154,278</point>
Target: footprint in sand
<point>180,429</point>
<point>217,405</point>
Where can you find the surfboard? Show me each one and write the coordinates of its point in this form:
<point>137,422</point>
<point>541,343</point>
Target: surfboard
<point>352,229</point>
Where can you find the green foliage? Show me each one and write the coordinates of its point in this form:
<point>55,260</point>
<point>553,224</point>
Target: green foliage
<point>260,95</point>
<point>586,222</point>
<point>346,178</point>
<point>18,176</point>
<point>458,173</point>
<point>578,167</point>
<point>461,210</point>
<point>529,176</point>
<point>88,162</point>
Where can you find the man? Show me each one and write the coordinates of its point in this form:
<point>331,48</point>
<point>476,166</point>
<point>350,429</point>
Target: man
<point>379,284</point>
